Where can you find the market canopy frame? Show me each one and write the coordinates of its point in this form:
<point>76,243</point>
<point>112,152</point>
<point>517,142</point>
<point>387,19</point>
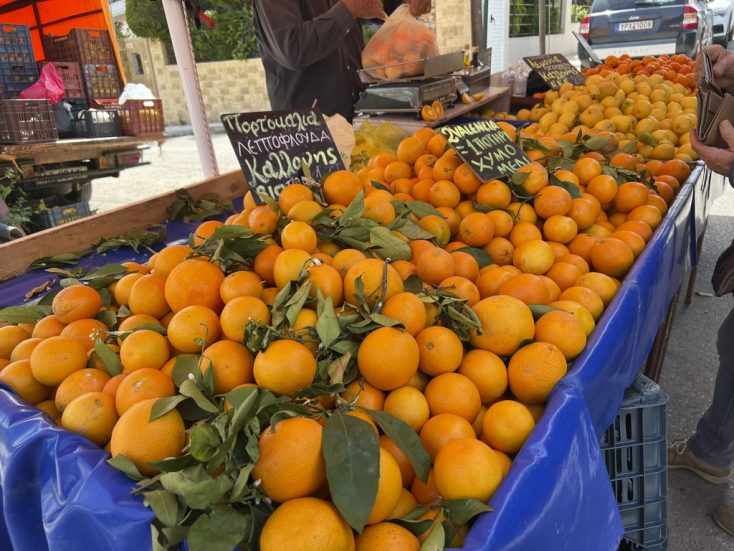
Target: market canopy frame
<point>58,18</point>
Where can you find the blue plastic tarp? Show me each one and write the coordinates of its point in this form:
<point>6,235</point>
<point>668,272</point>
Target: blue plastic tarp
<point>558,495</point>
<point>57,491</point>
<point>620,344</point>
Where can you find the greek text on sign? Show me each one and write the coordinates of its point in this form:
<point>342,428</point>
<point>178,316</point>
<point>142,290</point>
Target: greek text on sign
<point>273,148</point>
<point>555,70</point>
<point>485,147</point>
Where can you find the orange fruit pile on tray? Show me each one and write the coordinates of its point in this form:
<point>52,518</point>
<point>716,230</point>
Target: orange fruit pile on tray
<point>678,68</point>
<point>645,107</point>
<point>412,310</point>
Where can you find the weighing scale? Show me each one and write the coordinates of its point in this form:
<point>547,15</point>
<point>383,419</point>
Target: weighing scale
<point>409,95</point>
<point>443,79</point>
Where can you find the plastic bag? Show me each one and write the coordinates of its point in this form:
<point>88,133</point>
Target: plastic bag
<point>50,86</point>
<point>64,120</point>
<point>373,139</point>
<point>343,133</point>
<point>135,91</point>
<point>400,47</point>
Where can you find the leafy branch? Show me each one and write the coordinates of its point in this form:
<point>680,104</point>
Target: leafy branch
<point>135,239</point>
<point>188,209</point>
<point>233,247</point>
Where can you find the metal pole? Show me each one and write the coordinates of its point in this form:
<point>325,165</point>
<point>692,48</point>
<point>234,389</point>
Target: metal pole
<point>485,24</point>
<point>476,23</point>
<point>541,25</point>
<point>181,41</point>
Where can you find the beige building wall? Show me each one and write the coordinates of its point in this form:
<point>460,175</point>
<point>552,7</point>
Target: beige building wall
<point>226,86</point>
<point>138,62</point>
<point>453,24</point>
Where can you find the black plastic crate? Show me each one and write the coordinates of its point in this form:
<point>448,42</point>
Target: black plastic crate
<point>55,216</point>
<point>95,123</point>
<point>16,77</point>
<point>635,453</point>
<point>65,118</point>
<point>15,44</point>
<point>627,545</point>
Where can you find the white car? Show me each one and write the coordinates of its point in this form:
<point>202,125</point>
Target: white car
<point>723,13</point>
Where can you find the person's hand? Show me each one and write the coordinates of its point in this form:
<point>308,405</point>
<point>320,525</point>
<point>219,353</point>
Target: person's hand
<point>419,7</point>
<point>722,62</point>
<point>717,159</point>
<point>365,9</point>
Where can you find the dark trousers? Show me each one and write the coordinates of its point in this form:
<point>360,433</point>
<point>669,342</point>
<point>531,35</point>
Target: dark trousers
<point>713,441</point>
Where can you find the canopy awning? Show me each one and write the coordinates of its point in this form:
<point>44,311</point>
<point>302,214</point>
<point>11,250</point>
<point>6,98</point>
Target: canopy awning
<point>58,17</point>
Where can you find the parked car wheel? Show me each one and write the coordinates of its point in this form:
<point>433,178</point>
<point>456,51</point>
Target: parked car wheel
<point>81,192</point>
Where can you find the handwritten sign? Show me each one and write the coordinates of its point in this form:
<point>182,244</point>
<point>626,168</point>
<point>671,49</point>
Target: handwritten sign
<point>273,147</point>
<point>486,148</point>
<point>555,70</point>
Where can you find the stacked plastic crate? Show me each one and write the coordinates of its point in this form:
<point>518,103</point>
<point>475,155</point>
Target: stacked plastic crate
<point>93,50</point>
<point>86,58</point>
<point>634,448</point>
<point>18,68</point>
<point>21,121</point>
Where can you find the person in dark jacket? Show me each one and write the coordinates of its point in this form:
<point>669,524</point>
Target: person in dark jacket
<point>709,452</point>
<point>311,49</point>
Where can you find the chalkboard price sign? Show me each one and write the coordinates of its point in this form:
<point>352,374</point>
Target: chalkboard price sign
<point>486,148</point>
<point>555,70</point>
<point>273,147</point>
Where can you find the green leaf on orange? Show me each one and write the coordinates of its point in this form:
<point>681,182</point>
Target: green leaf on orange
<point>352,456</point>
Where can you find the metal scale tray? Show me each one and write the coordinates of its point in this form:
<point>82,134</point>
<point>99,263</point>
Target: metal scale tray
<point>408,95</point>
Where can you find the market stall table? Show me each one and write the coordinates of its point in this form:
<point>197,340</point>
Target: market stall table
<point>496,97</point>
<point>57,490</point>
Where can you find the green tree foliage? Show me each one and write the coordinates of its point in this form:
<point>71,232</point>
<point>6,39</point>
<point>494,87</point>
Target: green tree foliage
<point>524,18</point>
<point>232,37</point>
<point>146,19</point>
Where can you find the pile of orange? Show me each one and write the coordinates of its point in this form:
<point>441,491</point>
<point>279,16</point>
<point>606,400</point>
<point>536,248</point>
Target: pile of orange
<point>646,107</point>
<point>678,68</point>
<point>472,403</point>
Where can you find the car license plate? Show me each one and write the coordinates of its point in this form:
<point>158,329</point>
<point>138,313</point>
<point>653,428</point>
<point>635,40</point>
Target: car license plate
<point>635,26</point>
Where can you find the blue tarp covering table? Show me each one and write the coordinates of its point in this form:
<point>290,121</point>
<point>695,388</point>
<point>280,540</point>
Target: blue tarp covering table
<point>57,492</point>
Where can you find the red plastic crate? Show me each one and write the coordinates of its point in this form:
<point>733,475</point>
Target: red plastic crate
<point>81,46</point>
<point>142,117</point>
<point>101,81</point>
<point>71,73</point>
<point>27,121</point>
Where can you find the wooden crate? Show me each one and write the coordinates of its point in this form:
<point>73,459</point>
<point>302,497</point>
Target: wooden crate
<point>81,234</point>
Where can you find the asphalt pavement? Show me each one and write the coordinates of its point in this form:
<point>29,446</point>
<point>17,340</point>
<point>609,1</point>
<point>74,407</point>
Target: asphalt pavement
<point>172,165</point>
